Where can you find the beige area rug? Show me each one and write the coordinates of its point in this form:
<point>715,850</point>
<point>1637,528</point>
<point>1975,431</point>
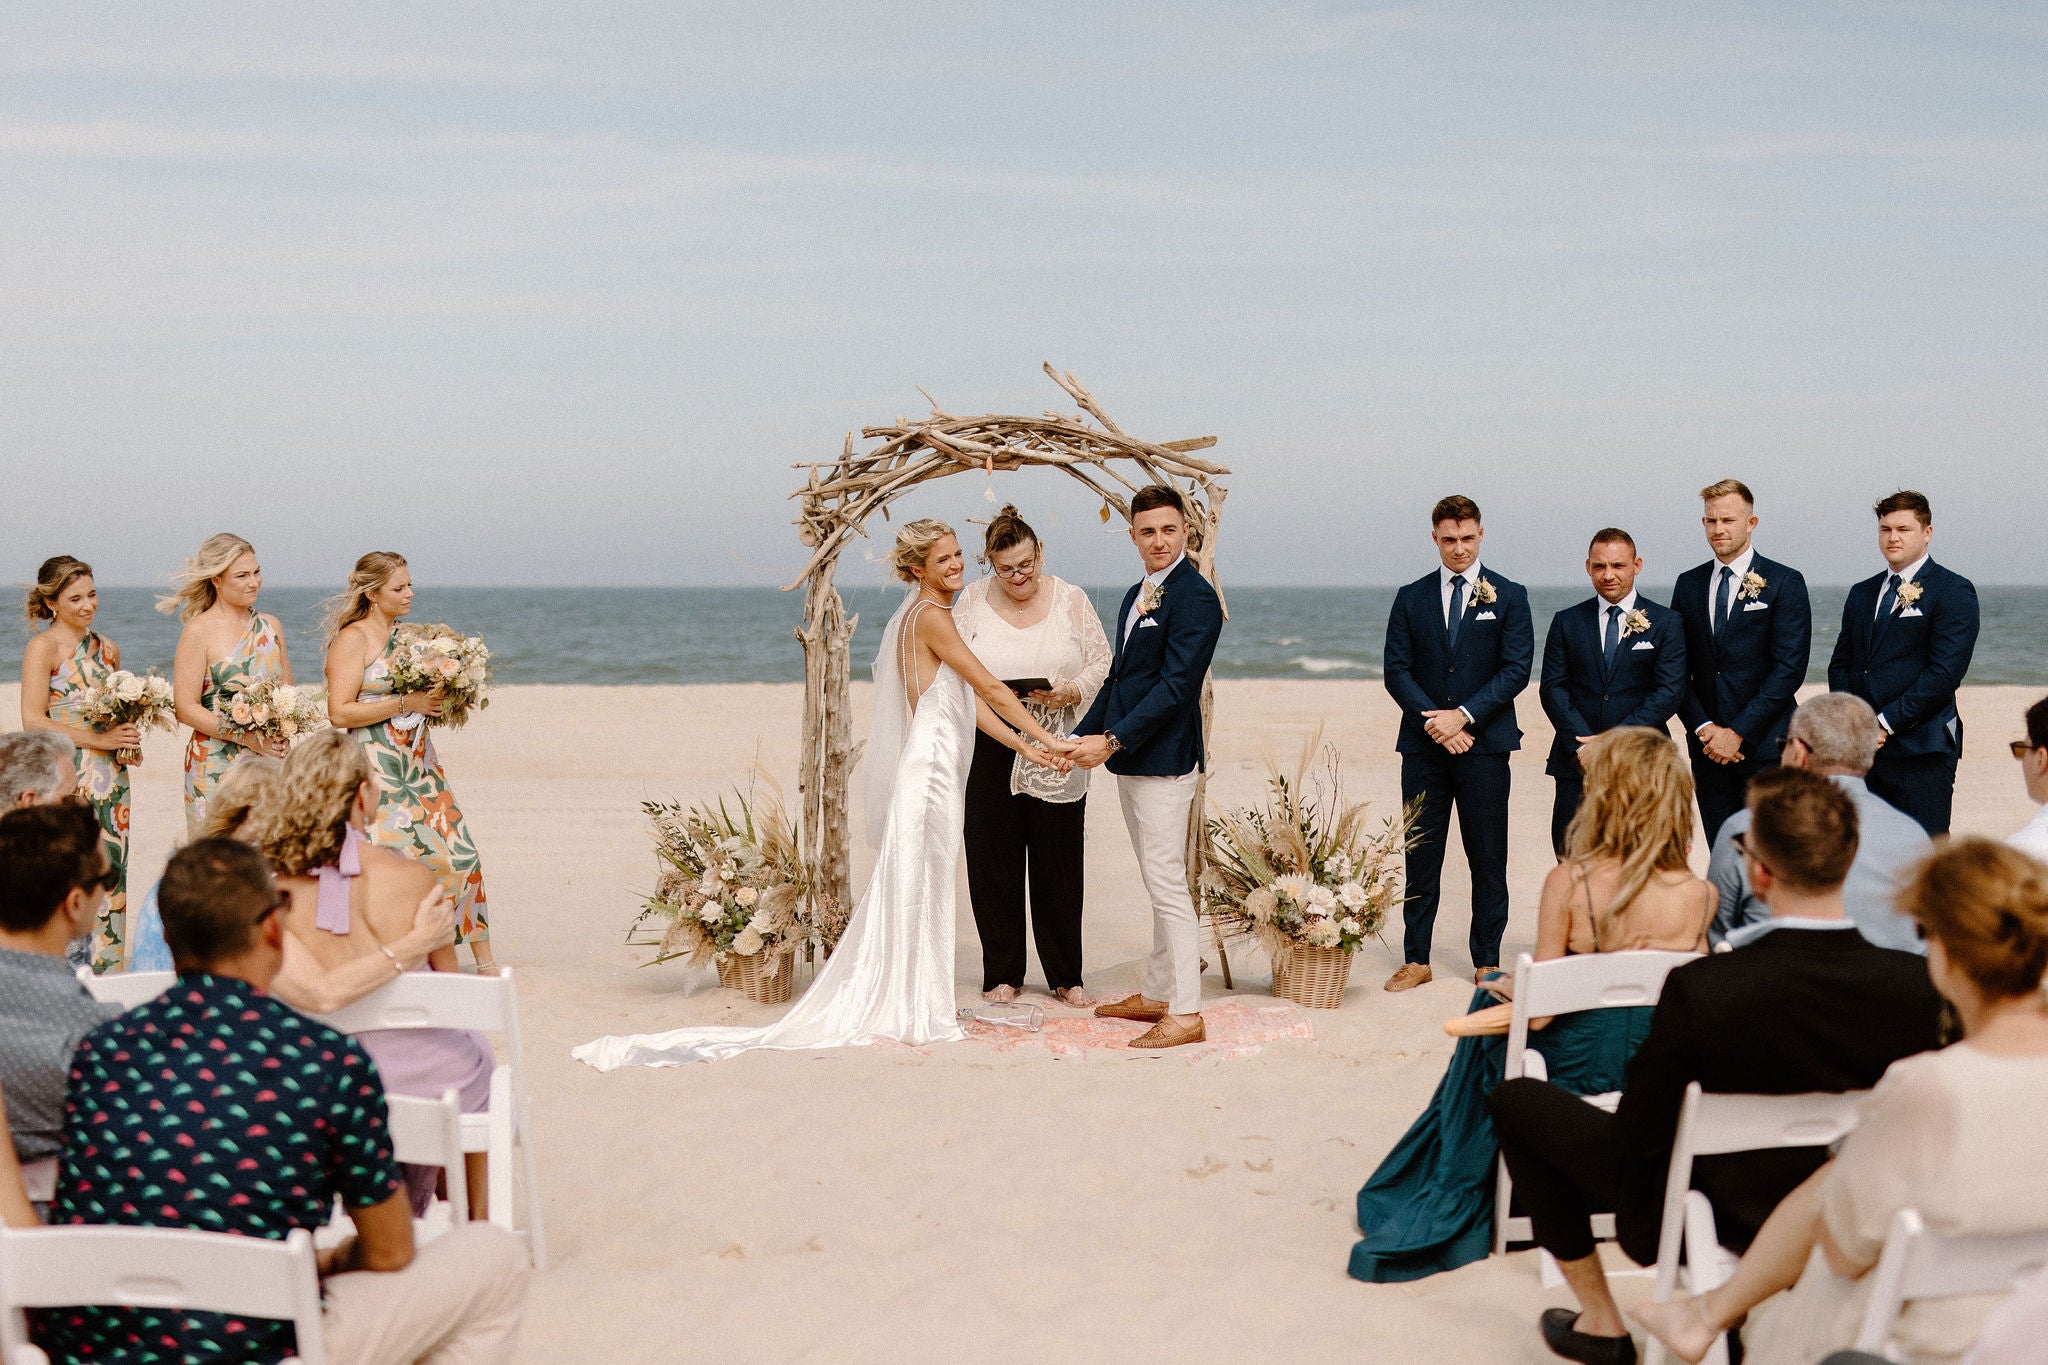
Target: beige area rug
<point>1237,1027</point>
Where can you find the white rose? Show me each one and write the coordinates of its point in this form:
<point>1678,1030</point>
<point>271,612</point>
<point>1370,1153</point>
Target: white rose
<point>159,690</point>
<point>711,913</point>
<point>1352,895</point>
<point>1322,898</point>
<point>746,896</point>
<point>748,942</point>
<point>1351,926</point>
<point>127,686</point>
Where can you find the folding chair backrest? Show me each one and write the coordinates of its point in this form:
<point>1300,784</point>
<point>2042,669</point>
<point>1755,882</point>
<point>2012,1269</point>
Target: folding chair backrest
<point>1919,1264</point>
<point>127,989</point>
<point>432,1000</point>
<point>429,1133</point>
<point>1584,981</point>
<point>163,1268</point>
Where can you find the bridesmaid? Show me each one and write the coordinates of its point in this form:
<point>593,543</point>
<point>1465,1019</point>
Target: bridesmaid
<point>416,812</point>
<point>62,661</point>
<point>225,641</point>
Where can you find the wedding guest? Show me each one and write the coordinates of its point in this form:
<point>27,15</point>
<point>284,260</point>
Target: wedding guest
<point>1952,1135</point>
<point>15,1209</point>
<point>1624,885</point>
<point>1615,659</point>
<point>1907,637</point>
<point>1457,729</point>
<point>220,1038</point>
<point>1748,631</point>
<point>53,876</point>
<point>416,812</point>
<point>65,659</point>
<point>2032,752</point>
<point>36,769</point>
<point>1810,1005</point>
<point>1024,820</point>
<point>1833,735</point>
<point>226,644</point>
<point>346,901</point>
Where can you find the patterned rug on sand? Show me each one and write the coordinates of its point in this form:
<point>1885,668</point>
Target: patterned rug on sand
<point>1237,1027</point>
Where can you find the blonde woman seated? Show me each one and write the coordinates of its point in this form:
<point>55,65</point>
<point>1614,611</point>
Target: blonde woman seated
<point>1953,1134</point>
<point>350,902</point>
<point>1624,884</point>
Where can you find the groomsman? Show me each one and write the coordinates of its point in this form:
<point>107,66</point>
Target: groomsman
<point>1907,637</point>
<point>1615,659</point>
<point>1748,632</point>
<point>1459,648</point>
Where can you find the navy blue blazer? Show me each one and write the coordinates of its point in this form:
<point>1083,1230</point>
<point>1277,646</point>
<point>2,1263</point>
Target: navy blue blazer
<point>1909,665</point>
<point>1485,673</point>
<point>1747,677</point>
<point>1582,698</point>
<point>1152,699</point>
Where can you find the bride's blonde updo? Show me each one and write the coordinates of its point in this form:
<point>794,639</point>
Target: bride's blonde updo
<point>195,591</point>
<point>914,545</point>
<point>306,815</point>
<point>352,603</point>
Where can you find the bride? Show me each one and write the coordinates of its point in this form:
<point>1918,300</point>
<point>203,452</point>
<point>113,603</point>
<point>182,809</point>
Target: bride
<point>892,974</point>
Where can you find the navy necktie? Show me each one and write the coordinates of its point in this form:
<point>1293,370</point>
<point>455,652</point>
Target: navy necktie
<point>1612,636</point>
<point>1885,599</point>
<point>1721,599</point>
<point>1457,612</point>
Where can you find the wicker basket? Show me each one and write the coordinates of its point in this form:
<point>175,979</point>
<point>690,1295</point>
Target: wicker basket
<point>761,978</point>
<point>1314,977</point>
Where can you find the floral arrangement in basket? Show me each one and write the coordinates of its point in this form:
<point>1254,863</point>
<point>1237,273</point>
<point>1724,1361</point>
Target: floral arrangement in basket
<point>442,660</point>
<point>731,886</point>
<point>124,698</point>
<point>1302,870</point>
<point>274,709</point>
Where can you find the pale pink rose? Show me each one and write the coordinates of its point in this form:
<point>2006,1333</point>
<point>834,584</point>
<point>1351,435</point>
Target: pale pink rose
<point>239,713</point>
<point>261,715</point>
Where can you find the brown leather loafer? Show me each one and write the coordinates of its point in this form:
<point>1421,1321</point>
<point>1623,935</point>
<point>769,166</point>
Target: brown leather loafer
<point>1411,975</point>
<point>1132,1007</point>
<point>1479,974</point>
<point>1166,1033</point>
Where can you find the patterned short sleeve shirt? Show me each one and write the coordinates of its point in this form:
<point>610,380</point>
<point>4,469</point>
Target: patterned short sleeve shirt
<point>213,1107</point>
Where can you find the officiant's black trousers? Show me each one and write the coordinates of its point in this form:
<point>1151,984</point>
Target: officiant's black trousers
<point>1012,842</point>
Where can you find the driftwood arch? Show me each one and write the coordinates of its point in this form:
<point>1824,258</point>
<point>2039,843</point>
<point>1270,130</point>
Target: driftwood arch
<point>840,495</point>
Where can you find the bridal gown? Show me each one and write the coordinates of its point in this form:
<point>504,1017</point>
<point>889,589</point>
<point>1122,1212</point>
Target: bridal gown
<point>891,977</point>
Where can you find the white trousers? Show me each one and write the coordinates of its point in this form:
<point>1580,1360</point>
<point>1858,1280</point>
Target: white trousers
<point>1156,810</point>
<point>458,1303</point>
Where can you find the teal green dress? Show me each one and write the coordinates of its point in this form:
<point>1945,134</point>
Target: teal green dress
<point>1429,1206</point>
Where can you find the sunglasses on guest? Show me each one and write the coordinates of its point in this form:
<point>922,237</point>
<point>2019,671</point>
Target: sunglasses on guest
<point>2021,748</point>
<point>283,902</point>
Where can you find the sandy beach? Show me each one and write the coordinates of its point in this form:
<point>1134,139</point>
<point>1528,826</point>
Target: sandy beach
<point>882,1203</point>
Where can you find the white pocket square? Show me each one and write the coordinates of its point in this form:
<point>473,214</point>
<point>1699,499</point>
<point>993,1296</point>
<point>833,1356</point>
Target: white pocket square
<point>1485,616</point>
<point>1911,611</point>
<point>1756,606</point>
<point>1644,644</point>
<point>1145,622</point>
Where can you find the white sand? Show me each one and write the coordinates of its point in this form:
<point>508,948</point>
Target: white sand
<point>872,1204</point>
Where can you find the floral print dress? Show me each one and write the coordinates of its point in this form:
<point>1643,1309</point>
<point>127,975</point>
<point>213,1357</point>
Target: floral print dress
<point>258,655</point>
<point>416,812</point>
<point>103,785</point>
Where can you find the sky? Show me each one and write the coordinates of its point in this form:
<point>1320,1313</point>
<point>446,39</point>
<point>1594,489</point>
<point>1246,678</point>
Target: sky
<point>557,292</point>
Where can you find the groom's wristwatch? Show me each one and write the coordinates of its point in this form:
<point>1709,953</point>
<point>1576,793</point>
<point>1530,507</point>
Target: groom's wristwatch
<point>1112,741</point>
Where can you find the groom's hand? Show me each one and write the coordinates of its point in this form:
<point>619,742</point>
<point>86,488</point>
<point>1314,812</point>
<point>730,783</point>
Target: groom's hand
<point>1441,725</point>
<point>1090,751</point>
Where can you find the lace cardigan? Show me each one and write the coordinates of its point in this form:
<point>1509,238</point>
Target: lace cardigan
<point>1074,650</point>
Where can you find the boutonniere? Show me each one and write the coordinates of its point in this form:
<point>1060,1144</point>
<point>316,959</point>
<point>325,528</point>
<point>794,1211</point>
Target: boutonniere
<point>1636,622</point>
<point>1483,593</point>
<point>1753,585</point>
<point>1150,598</point>
<point>1909,593</point>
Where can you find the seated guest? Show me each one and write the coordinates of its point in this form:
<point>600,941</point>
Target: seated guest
<point>1809,1005</point>
<point>36,769</point>
<point>53,880</point>
<point>1953,1134</point>
<point>347,902</point>
<point>2032,752</point>
<point>221,1042</point>
<point>1835,736</point>
<point>15,1210</point>
<point>1623,885</point>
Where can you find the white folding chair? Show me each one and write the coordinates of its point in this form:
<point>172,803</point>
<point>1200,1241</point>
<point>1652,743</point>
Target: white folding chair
<point>1566,985</point>
<point>489,1004</point>
<point>164,1268</point>
<point>429,1133</point>
<point>1919,1264</point>
<point>1714,1125</point>
<point>127,989</point>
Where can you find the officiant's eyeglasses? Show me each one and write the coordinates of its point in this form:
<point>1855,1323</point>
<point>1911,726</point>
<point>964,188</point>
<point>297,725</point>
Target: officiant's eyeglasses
<point>1017,573</point>
<point>2020,749</point>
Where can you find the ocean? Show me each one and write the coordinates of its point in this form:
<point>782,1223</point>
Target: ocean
<point>748,635</point>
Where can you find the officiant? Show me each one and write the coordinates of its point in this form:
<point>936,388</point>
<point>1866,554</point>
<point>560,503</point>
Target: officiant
<point>1024,822</point>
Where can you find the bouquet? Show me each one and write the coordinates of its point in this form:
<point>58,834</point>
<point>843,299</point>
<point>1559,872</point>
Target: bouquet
<point>122,698</point>
<point>274,709</point>
<point>1301,870</point>
<point>452,666</point>
<point>729,885</point>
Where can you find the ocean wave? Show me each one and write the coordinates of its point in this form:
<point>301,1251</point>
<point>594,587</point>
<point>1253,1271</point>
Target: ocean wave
<point>1308,663</point>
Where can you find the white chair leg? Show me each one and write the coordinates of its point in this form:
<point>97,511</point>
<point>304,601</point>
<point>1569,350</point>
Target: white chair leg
<point>1547,1273</point>
<point>537,1245</point>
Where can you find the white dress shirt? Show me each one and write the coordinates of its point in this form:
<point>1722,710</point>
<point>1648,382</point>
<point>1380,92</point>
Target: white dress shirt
<point>1151,580</point>
<point>1740,564</point>
<point>1443,589</point>
<point>2032,837</point>
<point>1906,575</point>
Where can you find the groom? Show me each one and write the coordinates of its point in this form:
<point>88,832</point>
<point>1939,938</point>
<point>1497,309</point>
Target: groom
<point>1146,723</point>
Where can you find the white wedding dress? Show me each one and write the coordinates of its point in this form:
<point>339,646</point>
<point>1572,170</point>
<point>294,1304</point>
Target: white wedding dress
<point>891,977</point>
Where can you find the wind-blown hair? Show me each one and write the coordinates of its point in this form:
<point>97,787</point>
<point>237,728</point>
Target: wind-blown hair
<point>245,792</point>
<point>195,591</point>
<point>1637,811</point>
<point>352,603</point>
<point>914,545</point>
<point>302,824</point>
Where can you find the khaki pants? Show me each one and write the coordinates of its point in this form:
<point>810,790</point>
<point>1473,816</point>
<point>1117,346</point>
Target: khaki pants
<point>458,1303</point>
<point>1156,812</point>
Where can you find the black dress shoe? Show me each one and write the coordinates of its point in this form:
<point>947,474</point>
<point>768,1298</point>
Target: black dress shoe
<point>1562,1335</point>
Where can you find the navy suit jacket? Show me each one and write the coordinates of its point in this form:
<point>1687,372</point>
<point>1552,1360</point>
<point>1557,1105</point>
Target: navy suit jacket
<point>1152,699</point>
<point>1582,697</point>
<point>1485,673</point>
<point>1747,677</point>
<point>1909,665</point>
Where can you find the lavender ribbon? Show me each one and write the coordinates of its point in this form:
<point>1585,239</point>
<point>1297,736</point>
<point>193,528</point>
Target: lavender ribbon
<point>330,911</point>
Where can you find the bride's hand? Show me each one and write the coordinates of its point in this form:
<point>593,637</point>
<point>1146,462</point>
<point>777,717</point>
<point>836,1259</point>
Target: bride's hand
<point>1045,758</point>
